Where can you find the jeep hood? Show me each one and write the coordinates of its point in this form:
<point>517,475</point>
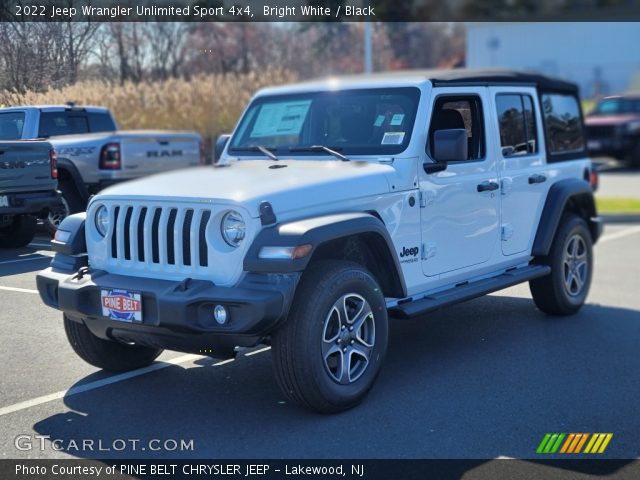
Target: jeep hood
<point>287,185</point>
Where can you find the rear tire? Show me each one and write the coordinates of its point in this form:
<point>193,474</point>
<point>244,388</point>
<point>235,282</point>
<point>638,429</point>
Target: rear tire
<point>329,352</point>
<point>105,354</point>
<point>565,289</point>
<point>70,203</point>
<point>20,233</point>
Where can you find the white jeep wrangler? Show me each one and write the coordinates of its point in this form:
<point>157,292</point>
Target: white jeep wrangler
<point>336,205</point>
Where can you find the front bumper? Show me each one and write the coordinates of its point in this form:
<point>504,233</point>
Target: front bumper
<point>175,315</point>
<point>31,202</point>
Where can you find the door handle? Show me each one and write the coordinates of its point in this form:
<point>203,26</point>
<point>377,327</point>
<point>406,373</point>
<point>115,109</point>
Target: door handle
<point>537,178</point>
<point>488,186</point>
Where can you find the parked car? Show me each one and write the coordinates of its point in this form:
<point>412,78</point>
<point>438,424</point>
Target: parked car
<point>335,205</point>
<point>93,153</point>
<point>28,182</point>
<point>613,129</point>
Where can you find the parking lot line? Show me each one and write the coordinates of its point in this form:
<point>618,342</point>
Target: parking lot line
<point>620,234</point>
<point>34,244</point>
<point>260,350</point>
<point>16,407</point>
<point>16,289</point>
<point>23,260</point>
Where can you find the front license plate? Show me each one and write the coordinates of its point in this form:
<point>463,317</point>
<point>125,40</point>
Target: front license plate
<point>4,201</point>
<point>594,145</point>
<point>123,305</point>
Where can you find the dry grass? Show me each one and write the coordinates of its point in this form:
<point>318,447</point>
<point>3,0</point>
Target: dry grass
<point>208,104</point>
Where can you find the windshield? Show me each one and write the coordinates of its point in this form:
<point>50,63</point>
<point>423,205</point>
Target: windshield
<point>617,105</point>
<point>352,122</point>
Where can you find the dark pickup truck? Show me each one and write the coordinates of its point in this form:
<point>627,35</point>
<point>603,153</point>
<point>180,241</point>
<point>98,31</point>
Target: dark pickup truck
<point>613,129</point>
<point>28,189</point>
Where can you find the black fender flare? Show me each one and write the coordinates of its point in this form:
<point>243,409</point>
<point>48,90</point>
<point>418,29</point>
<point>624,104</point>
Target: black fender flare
<point>69,166</point>
<point>317,231</point>
<point>571,194</point>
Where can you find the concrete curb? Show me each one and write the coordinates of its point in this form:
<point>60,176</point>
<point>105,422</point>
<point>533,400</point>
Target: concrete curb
<point>621,218</point>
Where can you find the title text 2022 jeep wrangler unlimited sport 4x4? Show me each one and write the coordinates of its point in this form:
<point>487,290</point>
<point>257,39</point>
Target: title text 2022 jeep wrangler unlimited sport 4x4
<point>335,205</point>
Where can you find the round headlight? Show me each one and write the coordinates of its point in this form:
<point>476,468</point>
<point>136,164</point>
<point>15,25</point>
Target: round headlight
<point>102,220</point>
<point>233,228</point>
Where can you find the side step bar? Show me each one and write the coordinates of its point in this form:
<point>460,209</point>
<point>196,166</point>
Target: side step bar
<point>468,291</point>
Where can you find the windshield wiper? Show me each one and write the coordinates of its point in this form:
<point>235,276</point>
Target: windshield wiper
<point>255,148</point>
<point>319,148</point>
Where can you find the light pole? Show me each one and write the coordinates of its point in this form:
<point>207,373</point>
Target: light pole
<point>368,47</point>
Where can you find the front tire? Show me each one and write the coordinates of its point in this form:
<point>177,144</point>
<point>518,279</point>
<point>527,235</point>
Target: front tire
<point>565,289</point>
<point>105,354</point>
<point>20,233</point>
<point>330,350</point>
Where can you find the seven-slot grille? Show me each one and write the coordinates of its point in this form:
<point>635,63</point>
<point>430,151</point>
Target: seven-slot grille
<point>160,235</point>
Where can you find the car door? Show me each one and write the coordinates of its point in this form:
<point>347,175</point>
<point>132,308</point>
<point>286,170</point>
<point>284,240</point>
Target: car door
<point>522,167</point>
<point>460,205</point>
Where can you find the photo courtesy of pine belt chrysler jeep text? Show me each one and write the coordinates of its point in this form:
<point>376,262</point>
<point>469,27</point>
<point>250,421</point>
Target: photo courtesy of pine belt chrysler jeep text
<point>335,205</point>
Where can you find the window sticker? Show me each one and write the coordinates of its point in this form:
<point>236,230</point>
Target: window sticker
<point>379,121</point>
<point>397,119</point>
<point>393,138</point>
<point>285,118</point>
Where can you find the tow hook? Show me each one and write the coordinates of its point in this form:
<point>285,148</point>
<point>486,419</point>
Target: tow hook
<point>81,273</point>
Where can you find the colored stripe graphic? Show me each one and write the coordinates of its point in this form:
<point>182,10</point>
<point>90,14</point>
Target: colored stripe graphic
<point>550,443</point>
<point>574,443</point>
<point>598,443</point>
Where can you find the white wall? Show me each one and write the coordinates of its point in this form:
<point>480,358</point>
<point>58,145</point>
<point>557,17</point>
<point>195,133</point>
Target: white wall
<point>602,57</point>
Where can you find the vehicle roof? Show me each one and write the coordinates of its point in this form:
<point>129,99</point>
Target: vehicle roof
<point>461,76</point>
<point>54,108</point>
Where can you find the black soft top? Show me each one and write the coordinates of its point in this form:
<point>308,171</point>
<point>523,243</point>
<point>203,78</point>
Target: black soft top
<point>501,77</point>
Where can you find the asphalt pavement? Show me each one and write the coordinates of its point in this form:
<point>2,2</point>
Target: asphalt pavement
<point>480,380</point>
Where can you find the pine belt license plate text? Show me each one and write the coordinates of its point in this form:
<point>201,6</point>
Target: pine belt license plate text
<point>122,305</point>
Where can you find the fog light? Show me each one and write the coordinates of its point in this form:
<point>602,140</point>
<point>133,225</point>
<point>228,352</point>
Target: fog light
<point>220,314</point>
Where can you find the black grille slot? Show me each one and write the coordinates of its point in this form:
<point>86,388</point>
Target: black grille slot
<point>155,247</point>
<point>171,257</point>
<point>127,234</point>
<point>202,240</point>
<point>143,214</point>
<point>186,238</point>
<point>114,235</point>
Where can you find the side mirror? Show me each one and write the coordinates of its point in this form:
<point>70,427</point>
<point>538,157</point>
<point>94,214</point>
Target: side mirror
<point>221,142</point>
<point>450,145</point>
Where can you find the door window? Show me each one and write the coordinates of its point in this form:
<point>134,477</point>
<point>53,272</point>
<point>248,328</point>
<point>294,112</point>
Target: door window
<point>464,111</point>
<point>516,121</point>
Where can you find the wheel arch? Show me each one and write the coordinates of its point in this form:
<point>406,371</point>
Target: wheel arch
<point>569,195</point>
<point>359,237</point>
<point>68,170</point>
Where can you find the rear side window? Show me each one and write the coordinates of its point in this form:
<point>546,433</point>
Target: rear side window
<point>62,123</point>
<point>101,122</point>
<point>516,121</point>
<point>11,125</point>
<point>562,123</point>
